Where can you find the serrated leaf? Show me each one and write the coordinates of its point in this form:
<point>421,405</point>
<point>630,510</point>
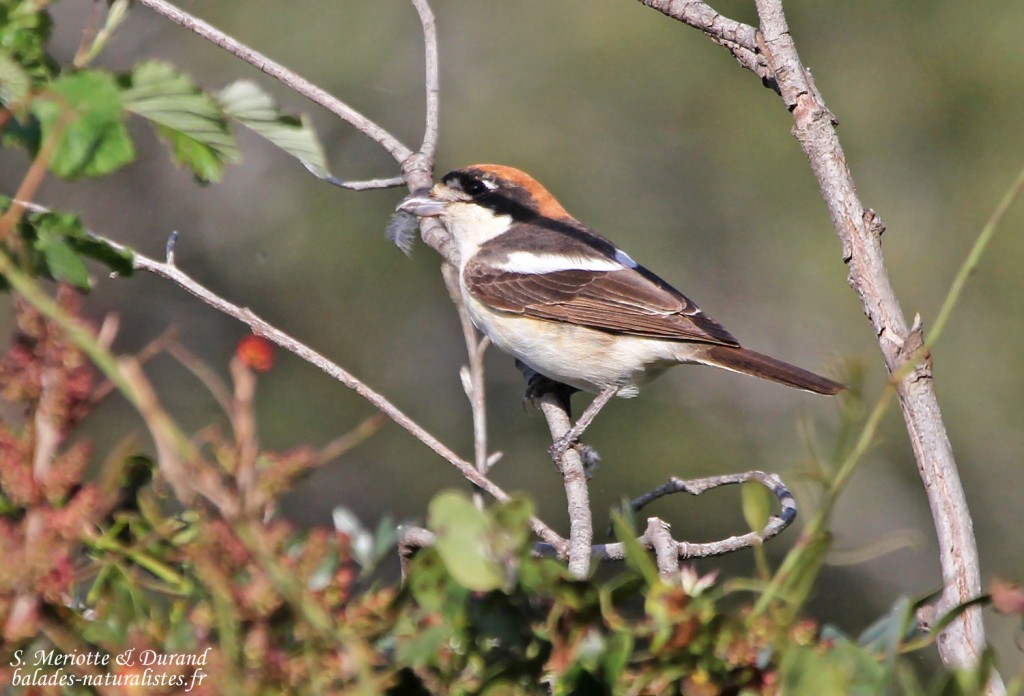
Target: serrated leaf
<point>14,82</point>
<point>61,261</point>
<point>186,117</point>
<point>24,33</point>
<point>56,235</point>
<point>463,541</point>
<point>247,103</point>
<point>83,111</point>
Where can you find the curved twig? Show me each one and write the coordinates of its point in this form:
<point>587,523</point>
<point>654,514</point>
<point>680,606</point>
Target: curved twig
<point>411,540</point>
<point>685,550</point>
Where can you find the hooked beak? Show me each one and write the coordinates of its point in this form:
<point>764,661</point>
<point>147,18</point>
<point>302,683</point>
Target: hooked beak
<point>421,204</point>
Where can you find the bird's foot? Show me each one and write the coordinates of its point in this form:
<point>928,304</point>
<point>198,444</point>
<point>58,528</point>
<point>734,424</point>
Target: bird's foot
<point>589,455</point>
<point>537,385</point>
<point>560,446</point>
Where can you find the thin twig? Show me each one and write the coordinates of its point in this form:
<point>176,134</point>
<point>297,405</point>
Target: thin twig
<point>368,185</point>
<point>473,375</point>
<point>164,341</point>
<point>582,423</point>
<point>686,550</point>
<point>736,37</point>
<point>431,79</point>
<point>261,327</point>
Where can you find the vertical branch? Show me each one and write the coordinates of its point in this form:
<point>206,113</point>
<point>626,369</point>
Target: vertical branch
<point>860,230</point>
<point>666,550</point>
<point>777,63</point>
<point>472,374</point>
<point>581,525</point>
<point>431,80</point>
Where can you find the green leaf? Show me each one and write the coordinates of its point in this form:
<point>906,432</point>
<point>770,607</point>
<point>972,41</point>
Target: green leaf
<point>757,505</point>
<point>846,669</point>
<point>425,646</point>
<point>464,541</point>
<point>62,244</point>
<point>24,33</point>
<point>61,260</point>
<point>83,112</point>
<point>798,580</point>
<point>886,633</point>
<point>618,650</point>
<point>247,103</point>
<point>70,228</point>
<point>511,525</point>
<point>431,584</point>
<point>190,120</point>
<point>14,81</point>
<point>120,261</point>
<point>637,557</point>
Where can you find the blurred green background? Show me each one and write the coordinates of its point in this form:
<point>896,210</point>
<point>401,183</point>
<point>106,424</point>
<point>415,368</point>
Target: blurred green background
<point>650,133</point>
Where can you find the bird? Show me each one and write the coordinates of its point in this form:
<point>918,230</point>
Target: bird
<point>569,304</point>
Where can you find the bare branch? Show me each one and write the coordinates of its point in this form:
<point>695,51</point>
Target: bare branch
<point>659,537</point>
<point>411,540</point>
<point>431,80</point>
<point>369,184</point>
<point>574,476</point>
<point>294,82</point>
<point>261,327</point>
<point>685,550</point>
<point>774,527</point>
<point>860,231</point>
<point>736,37</point>
<point>566,439</point>
<point>473,382</point>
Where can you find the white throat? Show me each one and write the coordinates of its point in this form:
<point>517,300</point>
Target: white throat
<point>471,226</point>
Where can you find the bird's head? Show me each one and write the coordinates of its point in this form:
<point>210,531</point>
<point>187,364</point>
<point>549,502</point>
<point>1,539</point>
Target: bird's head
<point>479,202</point>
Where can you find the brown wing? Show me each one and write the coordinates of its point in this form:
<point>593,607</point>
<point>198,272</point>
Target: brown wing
<point>630,301</point>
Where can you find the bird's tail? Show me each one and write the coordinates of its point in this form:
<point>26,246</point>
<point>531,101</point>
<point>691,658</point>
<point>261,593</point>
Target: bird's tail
<point>751,362</point>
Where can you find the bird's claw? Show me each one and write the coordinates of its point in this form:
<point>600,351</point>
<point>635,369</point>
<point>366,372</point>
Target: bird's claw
<point>560,446</point>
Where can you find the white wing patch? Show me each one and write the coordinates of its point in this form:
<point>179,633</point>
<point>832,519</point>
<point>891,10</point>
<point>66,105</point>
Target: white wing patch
<point>537,264</point>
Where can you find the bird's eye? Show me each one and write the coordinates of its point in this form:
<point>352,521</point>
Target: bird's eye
<point>476,187</point>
